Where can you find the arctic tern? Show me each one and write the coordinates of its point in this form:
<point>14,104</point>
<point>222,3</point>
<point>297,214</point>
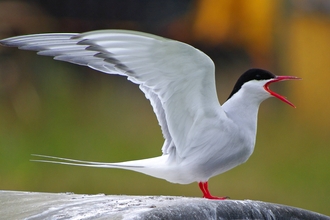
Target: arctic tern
<point>202,138</point>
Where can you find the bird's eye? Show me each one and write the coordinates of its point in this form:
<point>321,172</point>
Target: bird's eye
<point>258,76</point>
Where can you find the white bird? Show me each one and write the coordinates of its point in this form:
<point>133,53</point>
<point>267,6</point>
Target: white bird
<point>202,138</point>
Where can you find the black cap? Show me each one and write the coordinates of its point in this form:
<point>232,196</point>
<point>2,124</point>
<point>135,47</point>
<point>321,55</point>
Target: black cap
<point>251,74</point>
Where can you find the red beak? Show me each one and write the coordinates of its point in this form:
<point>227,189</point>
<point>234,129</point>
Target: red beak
<point>278,79</point>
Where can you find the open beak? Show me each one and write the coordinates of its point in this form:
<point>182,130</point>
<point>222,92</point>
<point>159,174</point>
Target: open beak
<point>278,79</point>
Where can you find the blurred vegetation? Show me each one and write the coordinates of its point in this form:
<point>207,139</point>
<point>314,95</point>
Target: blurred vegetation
<point>54,108</point>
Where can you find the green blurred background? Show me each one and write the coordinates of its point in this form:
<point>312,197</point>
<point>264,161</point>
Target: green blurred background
<point>55,108</point>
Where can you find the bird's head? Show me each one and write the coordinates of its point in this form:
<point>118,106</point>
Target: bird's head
<point>257,82</point>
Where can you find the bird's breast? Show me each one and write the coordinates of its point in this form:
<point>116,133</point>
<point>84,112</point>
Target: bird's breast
<point>225,154</point>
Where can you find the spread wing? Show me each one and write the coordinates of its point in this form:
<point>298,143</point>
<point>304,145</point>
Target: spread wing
<point>177,78</point>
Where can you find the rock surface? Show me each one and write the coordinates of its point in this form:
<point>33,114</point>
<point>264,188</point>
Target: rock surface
<point>32,205</point>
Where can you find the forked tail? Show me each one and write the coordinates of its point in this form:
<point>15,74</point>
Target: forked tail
<point>155,166</point>
<point>66,161</point>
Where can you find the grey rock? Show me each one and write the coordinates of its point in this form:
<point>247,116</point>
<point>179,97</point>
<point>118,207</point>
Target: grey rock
<point>33,205</point>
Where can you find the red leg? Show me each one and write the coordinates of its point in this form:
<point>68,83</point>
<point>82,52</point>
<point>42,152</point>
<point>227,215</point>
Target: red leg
<point>206,194</point>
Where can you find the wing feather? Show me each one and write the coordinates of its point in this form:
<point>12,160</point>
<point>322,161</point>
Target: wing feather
<point>177,78</point>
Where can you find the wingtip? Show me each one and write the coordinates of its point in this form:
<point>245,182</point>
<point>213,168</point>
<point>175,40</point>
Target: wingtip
<point>5,42</point>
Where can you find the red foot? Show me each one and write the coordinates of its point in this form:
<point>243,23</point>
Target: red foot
<point>206,194</point>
